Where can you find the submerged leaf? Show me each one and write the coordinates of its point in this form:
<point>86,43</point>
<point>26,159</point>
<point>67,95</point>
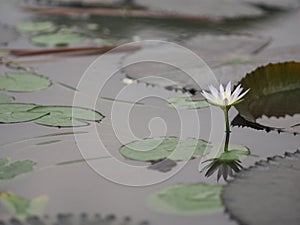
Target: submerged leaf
<point>187,199</point>
<point>23,82</point>
<point>18,112</point>
<point>10,170</point>
<point>5,98</point>
<point>35,26</point>
<point>275,93</point>
<point>62,38</point>
<point>173,148</point>
<point>66,116</point>
<point>23,208</point>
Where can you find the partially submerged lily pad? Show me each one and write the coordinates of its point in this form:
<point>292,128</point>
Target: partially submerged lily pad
<point>275,4</point>
<point>23,82</point>
<point>61,38</point>
<point>267,193</point>
<point>157,149</point>
<point>187,199</point>
<point>66,116</point>
<point>274,97</point>
<point>6,98</point>
<point>23,208</point>
<point>18,112</point>
<point>9,170</point>
<point>185,102</point>
<point>35,26</point>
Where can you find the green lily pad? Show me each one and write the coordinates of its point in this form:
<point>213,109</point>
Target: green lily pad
<point>35,26</point>
<point>187,199</point>
<point>23,82</point>
<point>66,116</point>
<point>274,97</point>
<point>21,207</point>
<point>6,98</point>
<point>185,102</point>
<point>10,170</point>
<point>62,38</point>
<point>17,113</point>
<point>173,148</point>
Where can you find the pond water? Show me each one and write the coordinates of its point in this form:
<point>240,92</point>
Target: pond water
<point>76,187</point>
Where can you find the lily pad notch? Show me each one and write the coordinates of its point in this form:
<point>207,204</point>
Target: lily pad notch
<point>54,116</point>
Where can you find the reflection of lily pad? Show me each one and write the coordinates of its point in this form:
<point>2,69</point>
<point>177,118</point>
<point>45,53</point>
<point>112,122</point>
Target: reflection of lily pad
<point>267,193</point>
<point>169,147</point>
<point>62,38</point>
<point>5,98</point>
<point>10,170</point>
<point>23,82</point>
<point>185,102</point>
<point>66,116</point>
<point>17,113</point>
<point>35,26</point>
<point>275,93</point>
<point>227,163</point>
<point>187,199</point>
<point>21,207</point>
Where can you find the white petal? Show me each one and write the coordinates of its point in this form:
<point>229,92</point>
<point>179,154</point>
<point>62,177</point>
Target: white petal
<point>222,90</point>
<point>242,95</point>
<point>214,91</point>
<point>228,89</point>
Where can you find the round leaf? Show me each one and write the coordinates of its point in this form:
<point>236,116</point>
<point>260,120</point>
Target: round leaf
<point>273,100</point>
<point>23,82</point>
<point>173,148</point>
<point>66,116</point>
<point>17,112</point>
<point>62,38</point>
<point>187,199</point>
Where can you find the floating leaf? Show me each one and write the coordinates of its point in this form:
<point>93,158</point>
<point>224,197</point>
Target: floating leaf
<point>165,165</point>
<point>35,26</point>
<point>23,82</point>
<point>62,38</point>
<point>66,116</point>
<point>17,113</point>
<point>204,8</point>
<point>267,193</point>
<point>23,208</point>
<point>10,170</point>
<point>187,199</point>
<point>273,100</point>
<point>173,148</point>
<point>5,98</point>
<point>185,102</point>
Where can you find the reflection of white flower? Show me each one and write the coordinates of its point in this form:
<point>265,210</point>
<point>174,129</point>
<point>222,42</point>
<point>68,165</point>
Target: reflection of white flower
<point>224,97</point>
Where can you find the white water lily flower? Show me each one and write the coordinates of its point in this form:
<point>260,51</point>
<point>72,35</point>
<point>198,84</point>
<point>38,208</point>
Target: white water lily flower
<point>224,98</point>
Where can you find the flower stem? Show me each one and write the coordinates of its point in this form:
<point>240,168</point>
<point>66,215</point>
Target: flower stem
<point>226,109</point>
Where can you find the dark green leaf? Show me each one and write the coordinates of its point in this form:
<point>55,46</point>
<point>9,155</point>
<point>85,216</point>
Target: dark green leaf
<point>273,100</point>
